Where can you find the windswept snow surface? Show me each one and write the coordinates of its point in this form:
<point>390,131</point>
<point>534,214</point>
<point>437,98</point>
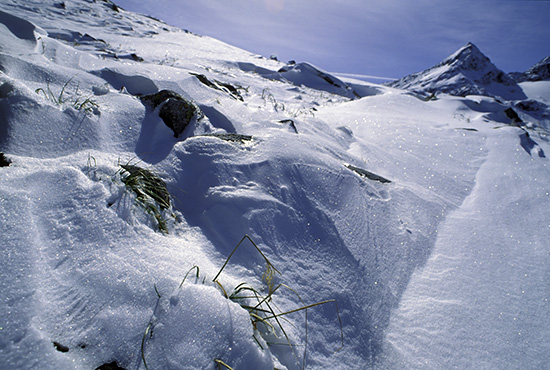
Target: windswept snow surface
<point>447,265</point>
<point>537,90</point>
<point>481,298</point>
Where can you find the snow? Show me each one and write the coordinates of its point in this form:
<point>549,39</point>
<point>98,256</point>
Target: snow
<point>444,266</point>
<point>538,90</point>
<point>466,72</point>
<point>483,277</point>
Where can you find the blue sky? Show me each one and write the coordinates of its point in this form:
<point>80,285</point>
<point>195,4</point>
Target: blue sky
<point>385,38</point>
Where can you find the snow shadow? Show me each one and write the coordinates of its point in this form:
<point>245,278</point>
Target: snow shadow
<point>530,145</point>
<point>316,225</point>
<point>217,118</point>
<point>156,140</point>
<point>168,122</point>
<point>252,68</point>
<point>18,27</point>
<point>134,84</point>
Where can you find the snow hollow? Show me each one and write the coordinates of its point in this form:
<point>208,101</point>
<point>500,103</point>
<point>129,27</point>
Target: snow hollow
<point>168,201</point>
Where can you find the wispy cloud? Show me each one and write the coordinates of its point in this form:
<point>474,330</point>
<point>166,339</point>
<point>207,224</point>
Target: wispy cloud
<point>390,38</point>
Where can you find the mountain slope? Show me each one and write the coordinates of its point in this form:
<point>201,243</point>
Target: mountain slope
<point>538,72</point>
<point>466,72</point>
<point>140,156</point>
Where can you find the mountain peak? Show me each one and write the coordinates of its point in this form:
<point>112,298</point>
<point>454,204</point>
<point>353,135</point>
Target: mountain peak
<point>468,57</point>
<point>470,47</point>
<point>465,72</point>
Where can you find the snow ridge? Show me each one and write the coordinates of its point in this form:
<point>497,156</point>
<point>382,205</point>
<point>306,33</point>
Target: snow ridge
<point>410,218</point>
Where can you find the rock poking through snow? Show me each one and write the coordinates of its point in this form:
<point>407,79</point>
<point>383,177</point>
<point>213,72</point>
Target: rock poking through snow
<point>176,112</point>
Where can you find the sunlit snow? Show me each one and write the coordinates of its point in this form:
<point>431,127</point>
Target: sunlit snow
<point>444,264</point>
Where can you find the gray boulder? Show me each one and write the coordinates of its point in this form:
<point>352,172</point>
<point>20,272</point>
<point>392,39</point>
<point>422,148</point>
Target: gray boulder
<point>175,110</point>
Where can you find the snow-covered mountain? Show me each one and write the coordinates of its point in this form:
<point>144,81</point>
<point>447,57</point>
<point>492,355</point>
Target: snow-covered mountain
<point>466,72</point>
<point>538,72</point>
<point>169,201</point>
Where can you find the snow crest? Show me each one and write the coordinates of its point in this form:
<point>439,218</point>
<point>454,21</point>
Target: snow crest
<point>378,229</point>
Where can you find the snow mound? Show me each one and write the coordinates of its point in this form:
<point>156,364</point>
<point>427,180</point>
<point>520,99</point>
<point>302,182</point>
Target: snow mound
<point>311,76</point>
<point>220,329</point>
<point>385,231</point>
<point>305,74</point>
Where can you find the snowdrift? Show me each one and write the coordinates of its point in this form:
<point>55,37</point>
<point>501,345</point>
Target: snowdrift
<point>287,220</point>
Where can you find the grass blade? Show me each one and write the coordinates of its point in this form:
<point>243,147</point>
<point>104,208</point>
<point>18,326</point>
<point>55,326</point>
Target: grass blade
<point>221,363</point>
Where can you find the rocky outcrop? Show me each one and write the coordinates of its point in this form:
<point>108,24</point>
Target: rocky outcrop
<point>175,110</point>
<point>231,137</point>
<point>538,72</point>
<point>369,175</point>
<point>4,161</point>
<point>231,90</point>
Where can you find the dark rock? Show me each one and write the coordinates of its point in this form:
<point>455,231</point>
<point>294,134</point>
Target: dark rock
<point>530,105</point>
<point>517,76</point>
<point>136,57</point>
<point>529,145</point>
<point>176,111</point>
<point>60,347</point>
<point>290,123</point>
<point>540,71</point>
<point>6,89</point>
<point>233,91</point>
<point>238,138</point>
<point>132,56</point>
<point>369,175</point>
<point>511,113</point>
<point>112,5</point>
<point>329,80</point>
<point>110,366</point>
<point>4,162</point>
<point>88,39</point>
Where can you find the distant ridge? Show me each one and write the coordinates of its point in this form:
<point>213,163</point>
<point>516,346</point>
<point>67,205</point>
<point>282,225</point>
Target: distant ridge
<point>538,72</point>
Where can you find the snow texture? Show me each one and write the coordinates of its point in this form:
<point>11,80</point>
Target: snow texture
<point>420,227</point>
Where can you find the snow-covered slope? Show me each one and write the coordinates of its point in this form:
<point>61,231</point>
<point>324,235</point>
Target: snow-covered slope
<point>537,90</point>
<point>415,232</point>
<point>467,72</point>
